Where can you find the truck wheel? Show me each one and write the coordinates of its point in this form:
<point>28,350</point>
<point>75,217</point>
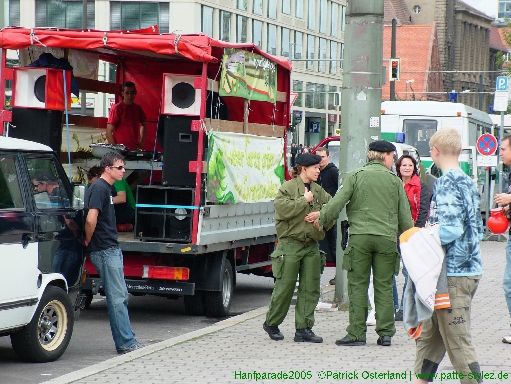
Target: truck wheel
<point>194,305</point>
<point>218,303</point>
<point>47,335</point>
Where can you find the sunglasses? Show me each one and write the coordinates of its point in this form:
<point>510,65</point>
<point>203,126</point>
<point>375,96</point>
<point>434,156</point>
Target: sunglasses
<point>119,167</point>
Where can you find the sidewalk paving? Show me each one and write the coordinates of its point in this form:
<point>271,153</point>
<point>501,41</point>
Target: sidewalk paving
<point>230,351</point>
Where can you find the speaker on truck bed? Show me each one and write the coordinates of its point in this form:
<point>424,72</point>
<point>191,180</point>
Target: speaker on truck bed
<point>39,125</point>
<point>179,143</point>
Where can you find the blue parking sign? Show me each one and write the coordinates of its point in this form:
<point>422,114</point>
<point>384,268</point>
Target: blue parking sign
<point>502,83</point>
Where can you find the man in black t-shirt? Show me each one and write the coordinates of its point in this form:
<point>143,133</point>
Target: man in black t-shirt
<point>105,254</point>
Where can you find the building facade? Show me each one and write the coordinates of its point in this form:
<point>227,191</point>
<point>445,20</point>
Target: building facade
<point>463,44</point>
<point>309,32</point>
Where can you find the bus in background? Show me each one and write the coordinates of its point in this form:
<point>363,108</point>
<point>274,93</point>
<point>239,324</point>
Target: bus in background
<point>414,122</point>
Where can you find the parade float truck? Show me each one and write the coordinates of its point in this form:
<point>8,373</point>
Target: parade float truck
<point>213,156</point>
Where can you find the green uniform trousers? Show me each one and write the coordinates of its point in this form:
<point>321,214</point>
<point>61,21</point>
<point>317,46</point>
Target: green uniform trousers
<point>366,252</point>
<point>291,259</point>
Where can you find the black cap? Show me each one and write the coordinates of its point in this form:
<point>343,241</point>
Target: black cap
<point>308,159</point>
<point>382,146</point>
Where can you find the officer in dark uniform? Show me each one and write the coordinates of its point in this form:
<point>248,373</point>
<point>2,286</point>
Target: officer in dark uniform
<point>297,206</point>
<point>378,211</point>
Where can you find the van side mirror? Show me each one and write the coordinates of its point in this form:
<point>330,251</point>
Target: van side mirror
<point>78,196</point>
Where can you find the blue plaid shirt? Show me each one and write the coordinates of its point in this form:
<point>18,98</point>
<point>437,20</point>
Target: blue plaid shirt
<point>455,207</point>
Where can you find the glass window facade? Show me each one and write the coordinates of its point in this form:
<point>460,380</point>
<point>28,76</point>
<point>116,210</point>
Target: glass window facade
<point>504,9</point>
<point>241,29</point>
<point>257,33</point>
<point>63,14</point>
<point>258,7</point>
<point>285,42</point>
<point>334,25</point>
<point>242,4</point>
<point>298,52</point>
<point>323,16</point>
<point>286,7</point>
<point>299,9</point>
<point>311,14</point>
<point>271,46</point>
<point>343,18</point>
<point>311,49</point>
<point>298,87</point>
<point>322,55</point>
<point>272,9</point>
<point>333,57</point>
<point>225,25</point>
<point>14,13</point>
<point>207,20</point>
<point>137,14</point>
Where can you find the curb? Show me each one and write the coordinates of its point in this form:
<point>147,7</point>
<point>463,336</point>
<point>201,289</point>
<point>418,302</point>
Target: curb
<point>139,353</point>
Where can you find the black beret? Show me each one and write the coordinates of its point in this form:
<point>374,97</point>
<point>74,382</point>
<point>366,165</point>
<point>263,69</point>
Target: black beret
<point>308,159</point>
<point>382,146</point>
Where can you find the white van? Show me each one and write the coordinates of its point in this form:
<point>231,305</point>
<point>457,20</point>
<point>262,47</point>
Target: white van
<point>41,255</point>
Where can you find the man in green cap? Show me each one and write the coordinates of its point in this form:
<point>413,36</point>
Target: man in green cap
<point>378,211</point>
<point>297,206</point>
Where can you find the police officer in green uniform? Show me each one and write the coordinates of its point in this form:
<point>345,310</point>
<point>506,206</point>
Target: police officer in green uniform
<point>297,206</point>
<point>378,211</point>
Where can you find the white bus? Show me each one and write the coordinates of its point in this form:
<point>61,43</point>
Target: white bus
<point>414,122</point>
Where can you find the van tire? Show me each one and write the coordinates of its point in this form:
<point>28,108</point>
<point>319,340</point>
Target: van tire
<point>194,305</point>
<point>218,303</point>
<point>47,335</point>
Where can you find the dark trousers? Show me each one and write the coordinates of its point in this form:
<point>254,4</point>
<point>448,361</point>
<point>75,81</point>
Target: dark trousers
<point>328,244</point>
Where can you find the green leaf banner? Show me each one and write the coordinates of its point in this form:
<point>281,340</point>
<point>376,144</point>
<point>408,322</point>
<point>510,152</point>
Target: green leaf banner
<point>243,168</point>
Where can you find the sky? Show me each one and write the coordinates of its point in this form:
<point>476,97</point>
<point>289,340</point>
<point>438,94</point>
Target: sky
<point>489,7</point>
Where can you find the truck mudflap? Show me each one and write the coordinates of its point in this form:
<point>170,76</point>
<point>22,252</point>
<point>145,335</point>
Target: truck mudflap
<point>160,287</point>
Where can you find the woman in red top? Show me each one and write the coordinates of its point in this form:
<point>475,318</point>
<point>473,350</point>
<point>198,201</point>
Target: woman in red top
<point>419,198</point>
<point>418,194</point>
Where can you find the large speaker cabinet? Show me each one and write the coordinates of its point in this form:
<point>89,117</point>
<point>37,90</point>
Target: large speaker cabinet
<point>180,145</point>
<point>164,213</point>
<point>39,125</point>
<point>41,88</point>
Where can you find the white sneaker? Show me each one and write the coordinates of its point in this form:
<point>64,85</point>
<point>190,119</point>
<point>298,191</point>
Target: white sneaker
<point>371,319</point>
<point>506,339</point>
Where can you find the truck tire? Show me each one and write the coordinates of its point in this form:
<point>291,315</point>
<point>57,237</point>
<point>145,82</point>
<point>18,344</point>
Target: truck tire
<point>194,305</point>
<point>218,303</point>
<point>47,335</point>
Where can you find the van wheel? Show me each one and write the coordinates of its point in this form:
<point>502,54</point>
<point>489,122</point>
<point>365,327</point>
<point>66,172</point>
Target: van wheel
<point>194,305</point>
<point>47,335</point>
<point>218,303</point>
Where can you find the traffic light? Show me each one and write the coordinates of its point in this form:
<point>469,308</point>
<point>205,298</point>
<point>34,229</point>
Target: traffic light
<point>394,69</point>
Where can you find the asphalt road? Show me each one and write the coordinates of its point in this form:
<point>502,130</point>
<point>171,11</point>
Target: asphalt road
<point>153,319</point>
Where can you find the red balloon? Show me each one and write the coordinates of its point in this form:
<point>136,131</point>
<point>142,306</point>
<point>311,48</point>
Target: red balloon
<point>497,222</point>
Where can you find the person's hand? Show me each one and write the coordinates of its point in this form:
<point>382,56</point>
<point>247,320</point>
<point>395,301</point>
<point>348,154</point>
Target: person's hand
<point>503,198</point>
<point>308,195</point>
<point>312,217</point>
<point>317,225</point>
<point>86,242</point>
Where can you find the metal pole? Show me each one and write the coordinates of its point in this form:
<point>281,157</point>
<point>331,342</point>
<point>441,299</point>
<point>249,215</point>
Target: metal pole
<point>392,84</point>
<point>83,94</point>
<point>361,99</point>
<point>500,164</point>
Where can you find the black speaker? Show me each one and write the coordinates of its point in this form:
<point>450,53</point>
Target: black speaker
<point>179,144</point>
<point>39,125</point>
<point>164,213</point>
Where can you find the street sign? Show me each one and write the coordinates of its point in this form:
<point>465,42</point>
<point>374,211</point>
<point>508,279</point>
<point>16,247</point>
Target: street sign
<point>501,101</point>
<point>502,83</point>
<point>487,161</point>
<point>487,144</point>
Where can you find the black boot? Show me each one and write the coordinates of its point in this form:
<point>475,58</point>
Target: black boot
<point>306,335</point>
<point>273,331</point>
<point>349,341</point>
<point>384,341</point>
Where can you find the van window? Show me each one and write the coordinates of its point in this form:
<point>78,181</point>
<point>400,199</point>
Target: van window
<point>418,132</point>
<point>48,190</point>
<point>10,191</point>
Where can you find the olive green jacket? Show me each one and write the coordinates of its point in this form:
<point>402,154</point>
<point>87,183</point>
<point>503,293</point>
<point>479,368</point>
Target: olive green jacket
<point>291,209</point>
<point>376,203</point>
